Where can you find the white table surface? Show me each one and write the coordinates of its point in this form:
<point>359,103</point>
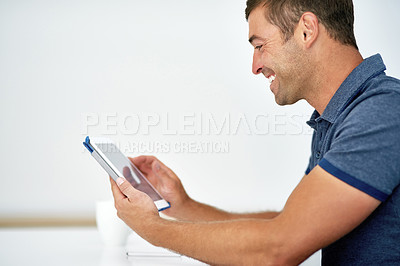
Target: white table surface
<point>70,246</point>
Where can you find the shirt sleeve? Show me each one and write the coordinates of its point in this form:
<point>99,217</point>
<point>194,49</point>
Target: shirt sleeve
<point>310,165</point>
<point>365,151</point>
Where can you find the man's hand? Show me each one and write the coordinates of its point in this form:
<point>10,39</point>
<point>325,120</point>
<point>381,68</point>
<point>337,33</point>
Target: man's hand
<point>134,207</point>
<point>165,181</point>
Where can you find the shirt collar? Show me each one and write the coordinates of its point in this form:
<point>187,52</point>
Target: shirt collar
<point>349,89</point>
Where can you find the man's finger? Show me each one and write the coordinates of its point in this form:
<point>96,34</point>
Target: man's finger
<point>141,163</point>
<point>125,187</point>
<point>139,159</point>
<point>118,195</point>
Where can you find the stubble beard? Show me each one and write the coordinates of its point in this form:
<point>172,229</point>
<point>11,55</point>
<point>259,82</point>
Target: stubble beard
<point>292,76</point>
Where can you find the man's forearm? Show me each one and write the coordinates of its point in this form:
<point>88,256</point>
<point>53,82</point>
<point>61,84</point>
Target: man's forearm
<point>236,242</point>
<point>196,211</point>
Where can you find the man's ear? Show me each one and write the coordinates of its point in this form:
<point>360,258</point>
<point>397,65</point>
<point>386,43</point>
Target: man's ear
<point>309,28</point>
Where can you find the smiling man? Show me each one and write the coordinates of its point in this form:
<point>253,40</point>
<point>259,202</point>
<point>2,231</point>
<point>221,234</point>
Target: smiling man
<point>348,202</point>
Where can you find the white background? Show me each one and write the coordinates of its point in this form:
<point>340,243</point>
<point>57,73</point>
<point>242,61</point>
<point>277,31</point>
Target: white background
<point>65,63</point>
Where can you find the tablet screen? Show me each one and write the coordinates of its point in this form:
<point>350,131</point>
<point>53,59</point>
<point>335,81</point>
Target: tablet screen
<point>128,169</point>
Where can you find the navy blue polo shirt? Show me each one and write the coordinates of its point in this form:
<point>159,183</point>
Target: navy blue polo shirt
<point>357,140</point>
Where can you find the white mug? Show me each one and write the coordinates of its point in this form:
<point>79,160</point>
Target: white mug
<point>113,231</point>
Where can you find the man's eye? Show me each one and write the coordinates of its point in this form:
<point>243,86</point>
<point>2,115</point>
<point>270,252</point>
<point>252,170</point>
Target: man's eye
<point>258,47</point>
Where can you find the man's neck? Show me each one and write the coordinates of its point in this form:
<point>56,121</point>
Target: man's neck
<point>331,69</point>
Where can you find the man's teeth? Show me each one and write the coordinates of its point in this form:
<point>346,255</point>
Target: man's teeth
<point>271,78</point>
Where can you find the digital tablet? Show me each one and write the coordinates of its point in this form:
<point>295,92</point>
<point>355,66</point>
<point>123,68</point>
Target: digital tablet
<point>117,165</point>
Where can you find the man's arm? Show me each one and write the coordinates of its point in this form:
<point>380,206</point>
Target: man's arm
<point>320,210</point>
<point>196,211</point>
<point>182,206</point>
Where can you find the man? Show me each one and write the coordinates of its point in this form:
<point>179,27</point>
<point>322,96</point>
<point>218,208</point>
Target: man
<point>348,203</point>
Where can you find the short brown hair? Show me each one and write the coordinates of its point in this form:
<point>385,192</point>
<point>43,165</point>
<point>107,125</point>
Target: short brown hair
<point>336,15</point>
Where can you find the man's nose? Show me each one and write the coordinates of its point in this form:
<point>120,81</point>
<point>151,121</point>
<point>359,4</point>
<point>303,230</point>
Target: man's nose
<point>257,64</point>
